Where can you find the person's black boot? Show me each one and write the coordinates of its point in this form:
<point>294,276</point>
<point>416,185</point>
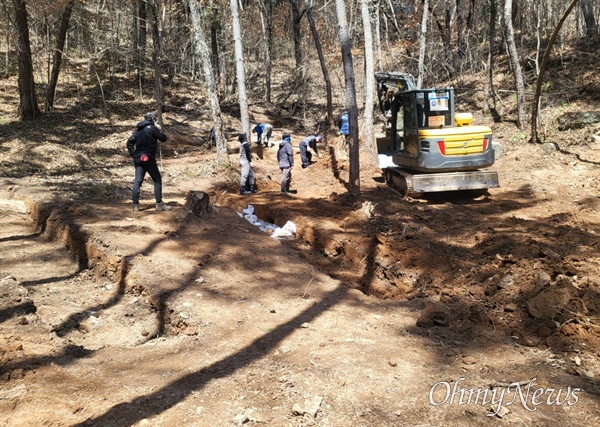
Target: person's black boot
<point>243,191</point>
<point>253,189</point>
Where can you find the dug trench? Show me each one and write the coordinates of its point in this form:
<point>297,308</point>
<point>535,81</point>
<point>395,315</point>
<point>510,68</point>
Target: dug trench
<point>524,288</point>
<point>517,277</point>
<point>138,285</point>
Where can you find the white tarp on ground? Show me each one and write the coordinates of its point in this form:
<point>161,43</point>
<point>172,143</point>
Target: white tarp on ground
<point>288,231</point>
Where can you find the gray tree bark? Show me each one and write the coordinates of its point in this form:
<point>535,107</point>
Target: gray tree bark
<point>377,5</point>
<point>296,17</point>
<point>489,82</point>
<point>515,64</point>
<point>58,52</point>
<point>369,72</point>
<point>422,43</point>
<point>315,34</point>
<point>354,179</point>
<point>239,67</point>
<point>204,54</point>
<point>538,90</point>
<point>266,8</point>
<point>591,25</point>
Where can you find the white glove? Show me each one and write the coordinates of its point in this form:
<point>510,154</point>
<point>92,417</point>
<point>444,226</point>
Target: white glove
<point>251,164</point>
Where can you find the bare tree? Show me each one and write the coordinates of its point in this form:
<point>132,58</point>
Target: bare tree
<point>28,106</point>
<point>239,67</point>
<point>377,5</point>
<point>158,20</point>
<point>296,17</point>
<point>489,81</point>
<point>369,73</point>
<point>538,89</point>
<point>422,43</point>
<point>354,178</point>
<point>58,53</point>
<point>315,34</point>
<point>515,64</point>
<point>591,25</point>
<point>266,10</point>
<point>201,48</point>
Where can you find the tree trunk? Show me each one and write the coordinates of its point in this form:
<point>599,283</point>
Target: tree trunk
<point>422,44</point>
<point>28,106</point>
<point>296,17</point>
<point>489,82</point>
<point>315,35</point>
<point>369,73</point>
<point>538,89</point>
<point>587,9</point>
<point>60,44</point>
<point>239,67</point>
<point>157,58</point>
<point>515,64</point>
<point>266,7</point>
<point>215,30</point>
<point>377,5</point>
<point>204,54</point>
<point>354,179</point>
<point>142,38</point>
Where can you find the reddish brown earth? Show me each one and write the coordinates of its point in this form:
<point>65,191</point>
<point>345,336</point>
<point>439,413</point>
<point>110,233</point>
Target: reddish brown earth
<point>115,318</point>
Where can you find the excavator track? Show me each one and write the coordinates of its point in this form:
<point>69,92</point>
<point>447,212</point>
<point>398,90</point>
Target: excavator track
<point>409,184</point>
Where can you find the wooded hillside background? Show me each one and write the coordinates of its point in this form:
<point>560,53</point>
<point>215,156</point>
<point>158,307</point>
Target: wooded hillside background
<point>113,51</point>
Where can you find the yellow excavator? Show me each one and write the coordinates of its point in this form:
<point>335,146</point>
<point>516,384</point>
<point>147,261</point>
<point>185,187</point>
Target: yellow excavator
<point>427,146</point>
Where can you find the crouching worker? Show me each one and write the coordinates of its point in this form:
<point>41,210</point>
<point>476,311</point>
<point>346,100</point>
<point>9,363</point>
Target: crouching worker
<point>263,134</point>
<point>142,147</point>
<point>246,166</point>
<point>285,158</point>
<point>308,146</point>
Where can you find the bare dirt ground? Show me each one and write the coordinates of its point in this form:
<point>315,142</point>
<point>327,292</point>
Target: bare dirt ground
<point>383,311</point>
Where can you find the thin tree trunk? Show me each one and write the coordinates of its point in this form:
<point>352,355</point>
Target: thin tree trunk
<point>422,43</point>
<point>142,38</point>
<point>354,179</point>
<point>28,106</point>
<point>315,35</point>
<point>393,15</point>
<point>156,62</point>
<point>538,89</point>
<point>587,9</point>
<point>515,64</point>
<point>239,67</point>
<point>266,7</point>
<point>369,73</point>
<point>377,5</point>
<point>489,82</point>
<point>215,26</point>
<point>58,53</point>
<point>296,17</point>
<point>204,54</point>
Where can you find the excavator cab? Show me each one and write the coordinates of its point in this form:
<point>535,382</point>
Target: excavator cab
<point>428,147</point>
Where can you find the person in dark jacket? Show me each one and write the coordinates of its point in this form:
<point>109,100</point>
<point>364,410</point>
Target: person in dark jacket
<point>285,158</point>
<point>246,166</point>
<point>142,148</point>
<point>308,146</point>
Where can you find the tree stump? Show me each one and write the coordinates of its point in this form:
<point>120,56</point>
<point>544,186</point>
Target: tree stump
<point>198,203</point>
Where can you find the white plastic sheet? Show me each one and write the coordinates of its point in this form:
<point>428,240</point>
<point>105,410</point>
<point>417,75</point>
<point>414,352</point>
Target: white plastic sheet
<point>288,231</point>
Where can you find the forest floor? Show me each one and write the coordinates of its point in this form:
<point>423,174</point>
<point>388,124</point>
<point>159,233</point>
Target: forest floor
<point>382,311</point>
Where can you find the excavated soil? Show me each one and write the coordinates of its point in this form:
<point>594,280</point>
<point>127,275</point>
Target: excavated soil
<point>379,312</point>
